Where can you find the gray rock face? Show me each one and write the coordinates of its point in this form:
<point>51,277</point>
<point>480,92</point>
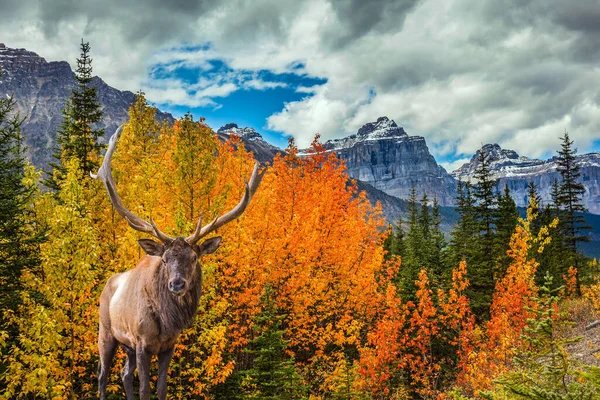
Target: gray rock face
<point>517,171</point>
<point>383,155</point>
<point>254,142</point>
<point>41,90</point>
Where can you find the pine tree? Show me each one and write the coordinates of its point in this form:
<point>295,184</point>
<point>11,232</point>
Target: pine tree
<point>485,210</point>
<point>464,232</point>
<point>400,238</point>
<point>389,244</point>
<point>78,135</point>
<point>19,233</point>
<point>437,243</point>
<point>569,198</point>
<point>505,227</point>
<point>484,259</point>
<point>414,260</point>
<point>272,375</point>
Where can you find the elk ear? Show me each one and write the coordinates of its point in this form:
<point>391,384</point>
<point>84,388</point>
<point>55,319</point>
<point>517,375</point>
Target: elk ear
<point>151,247</point>
<point>209,246</point>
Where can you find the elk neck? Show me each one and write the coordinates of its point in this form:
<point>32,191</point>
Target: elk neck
<point>173,313</point>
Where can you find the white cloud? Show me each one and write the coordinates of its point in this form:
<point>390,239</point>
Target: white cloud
<point>460,72</point>
<point>454,165</point>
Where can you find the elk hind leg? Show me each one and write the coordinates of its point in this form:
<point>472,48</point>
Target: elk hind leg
<point>107,346</point>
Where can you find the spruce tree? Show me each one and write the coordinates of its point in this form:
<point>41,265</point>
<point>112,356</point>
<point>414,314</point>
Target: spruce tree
<point>437,242</point>
<point>78,134</point>
<point>463,234</point>
<point>569,198</point>
<point>485,210</point>
<point>414,260</point>
<point>484,260</point>
<point>272,375</point>
<point>19,232</point>
<point>505,227</point>
<point>400,238</point>
<point>389,244</point>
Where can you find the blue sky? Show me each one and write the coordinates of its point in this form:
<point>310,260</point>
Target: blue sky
<point>245,106</point>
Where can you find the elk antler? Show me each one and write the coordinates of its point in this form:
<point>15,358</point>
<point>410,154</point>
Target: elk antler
<point>234,213</point>
<point>105,175</point>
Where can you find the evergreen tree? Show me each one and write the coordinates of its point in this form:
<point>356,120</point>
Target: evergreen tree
<point>272,375</point>
<point>414,260</point>
<point>487,201</point>
<point>437,242</point>
<point>424,218</point>
<point>463,235</point>
<point>569,199</point>
<point>389,244</point>
<point>399,238</point>
<point>78,136</point>
<point>505,227</point>
<point>19,233</point>
<point>484,259</point>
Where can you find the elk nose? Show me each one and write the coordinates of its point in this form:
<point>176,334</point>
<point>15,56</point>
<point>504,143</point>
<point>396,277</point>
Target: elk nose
<point>177,285</point>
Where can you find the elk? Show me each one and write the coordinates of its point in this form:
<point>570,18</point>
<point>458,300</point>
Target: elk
<point>145,309</point>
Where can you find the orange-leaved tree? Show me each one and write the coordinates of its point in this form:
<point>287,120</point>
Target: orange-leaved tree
<point>414,348</point>
<point>512,306</point>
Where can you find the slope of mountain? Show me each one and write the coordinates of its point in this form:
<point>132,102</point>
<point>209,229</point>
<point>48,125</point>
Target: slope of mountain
<point>263,151</point>
<point>41,90</point>
<point>394,208</point>
<point>517,171</point>
<point>382,154</point>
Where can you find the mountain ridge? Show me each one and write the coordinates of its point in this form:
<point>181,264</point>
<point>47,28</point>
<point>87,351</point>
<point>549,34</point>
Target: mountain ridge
<point>380,153</point>
<point>517,171</point>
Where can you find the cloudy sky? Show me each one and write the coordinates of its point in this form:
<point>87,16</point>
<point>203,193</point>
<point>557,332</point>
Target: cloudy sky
<point>462,73</point>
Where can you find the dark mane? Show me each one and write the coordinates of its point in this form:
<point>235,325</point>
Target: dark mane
<point>172,313</point>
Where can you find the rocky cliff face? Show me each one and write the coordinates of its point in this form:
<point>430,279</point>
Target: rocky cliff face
<point>262,150</point>
<point>382,154</point>
<point>517,171</point>
<point>41,90</point>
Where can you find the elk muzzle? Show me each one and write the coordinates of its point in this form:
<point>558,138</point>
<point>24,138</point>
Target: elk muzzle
<point>178,286</point>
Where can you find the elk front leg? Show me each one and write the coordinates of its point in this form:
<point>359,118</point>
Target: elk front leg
<point>164,359</point>
<point>143,365</point>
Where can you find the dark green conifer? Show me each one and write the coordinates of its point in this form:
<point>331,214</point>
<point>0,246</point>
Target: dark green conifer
<point>437,243</point>
<point>20,235</point>
<point>78,134</point>
<point>569,199</point>
<point>272,375</point>
<point>505,227</point>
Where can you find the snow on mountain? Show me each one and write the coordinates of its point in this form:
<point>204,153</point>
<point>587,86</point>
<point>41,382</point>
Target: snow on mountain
<point>383,155</point>
<point>263,150</point>
<point>384,128</point>
<point>517,171</point>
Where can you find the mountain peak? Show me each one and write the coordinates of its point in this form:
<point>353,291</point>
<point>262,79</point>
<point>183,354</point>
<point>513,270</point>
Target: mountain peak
<point>383,127</point>
<point>501,161</point>
<point>495,153</point>
<point>245,133</point>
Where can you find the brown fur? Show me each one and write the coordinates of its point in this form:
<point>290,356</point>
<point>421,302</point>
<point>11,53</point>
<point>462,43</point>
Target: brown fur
<point>139,311</point>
